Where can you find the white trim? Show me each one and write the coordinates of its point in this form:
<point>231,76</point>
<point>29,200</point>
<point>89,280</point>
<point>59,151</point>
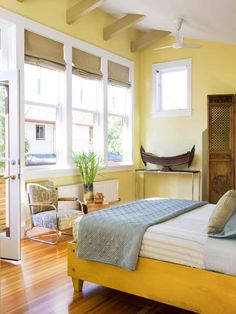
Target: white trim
<point>52,172</point>
<point>67,108</point>
<point>41,104</point>
<point>172,113</point>
<point>156,87</point>
<point>10,246</point>
<point>84,110</point>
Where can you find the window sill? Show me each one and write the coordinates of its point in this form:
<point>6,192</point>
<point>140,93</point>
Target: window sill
<point>172,113</point>
<point>31,173</point>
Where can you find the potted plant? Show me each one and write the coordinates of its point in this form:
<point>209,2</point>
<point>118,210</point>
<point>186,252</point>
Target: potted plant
<point>88,164</point>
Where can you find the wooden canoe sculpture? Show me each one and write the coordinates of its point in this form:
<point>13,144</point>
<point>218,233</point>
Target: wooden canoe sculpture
<point>167,162</point>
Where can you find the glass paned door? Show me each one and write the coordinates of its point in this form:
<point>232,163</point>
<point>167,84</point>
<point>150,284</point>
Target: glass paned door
<point>9,167</point>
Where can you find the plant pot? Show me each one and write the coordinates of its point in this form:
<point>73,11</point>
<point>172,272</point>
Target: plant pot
<point>88,193</point>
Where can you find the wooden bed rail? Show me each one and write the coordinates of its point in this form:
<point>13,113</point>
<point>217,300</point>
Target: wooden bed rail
<point>189,288</point>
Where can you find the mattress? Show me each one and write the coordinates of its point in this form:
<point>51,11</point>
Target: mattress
<point>180,240</point>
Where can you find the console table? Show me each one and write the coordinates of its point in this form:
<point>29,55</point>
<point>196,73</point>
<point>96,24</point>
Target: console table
<point>191,173</point>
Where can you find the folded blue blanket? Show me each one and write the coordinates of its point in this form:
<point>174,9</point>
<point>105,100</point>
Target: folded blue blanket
<point>114,235</point>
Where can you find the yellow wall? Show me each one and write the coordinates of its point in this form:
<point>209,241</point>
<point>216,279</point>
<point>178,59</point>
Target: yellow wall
<point>213,72</point>
<point>89,28</point>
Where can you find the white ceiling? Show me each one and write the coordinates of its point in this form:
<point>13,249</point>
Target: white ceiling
<point>213,20</point>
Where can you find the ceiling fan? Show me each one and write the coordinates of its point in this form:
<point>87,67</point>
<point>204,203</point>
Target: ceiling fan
<point>179,40</point>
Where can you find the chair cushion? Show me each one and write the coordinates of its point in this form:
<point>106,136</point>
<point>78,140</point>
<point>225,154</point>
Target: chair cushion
<point>47,219</point>
<point>42,192</point>
<point>225,208</point>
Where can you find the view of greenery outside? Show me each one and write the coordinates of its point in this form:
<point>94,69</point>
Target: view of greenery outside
<point>115,135</point>
<point>27,148</point>
<point>2,131</point>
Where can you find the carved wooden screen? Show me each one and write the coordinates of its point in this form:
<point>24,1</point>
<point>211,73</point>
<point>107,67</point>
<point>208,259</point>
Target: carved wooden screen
<point>221,127</point>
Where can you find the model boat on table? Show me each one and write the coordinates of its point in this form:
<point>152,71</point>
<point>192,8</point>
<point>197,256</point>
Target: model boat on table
<point>168,162</point>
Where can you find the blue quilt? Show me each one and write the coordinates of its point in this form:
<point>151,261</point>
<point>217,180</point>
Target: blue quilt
<point>114,235</point>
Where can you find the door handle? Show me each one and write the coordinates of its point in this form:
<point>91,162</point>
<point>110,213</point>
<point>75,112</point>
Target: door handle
<point>13,177</point>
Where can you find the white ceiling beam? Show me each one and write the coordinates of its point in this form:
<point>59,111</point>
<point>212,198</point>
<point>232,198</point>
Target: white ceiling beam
<point>147,39</point>
<point>81,8</point>
<point>121,25</point>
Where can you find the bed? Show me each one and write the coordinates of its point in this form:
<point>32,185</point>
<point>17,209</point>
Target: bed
<point>170,272</point>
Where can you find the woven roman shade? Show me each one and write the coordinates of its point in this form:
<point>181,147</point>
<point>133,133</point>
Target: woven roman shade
<point>118,74</point>
<point>86,64</point>
<point>45,52</point>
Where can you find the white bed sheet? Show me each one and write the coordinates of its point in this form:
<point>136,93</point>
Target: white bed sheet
<point>179,240</point>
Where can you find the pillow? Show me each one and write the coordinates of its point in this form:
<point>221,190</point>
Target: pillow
<point>225,208</point>
<point>229,230</point>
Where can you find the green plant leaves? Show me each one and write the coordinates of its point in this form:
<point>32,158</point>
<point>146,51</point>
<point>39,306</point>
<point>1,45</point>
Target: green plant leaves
<point>88,164</point>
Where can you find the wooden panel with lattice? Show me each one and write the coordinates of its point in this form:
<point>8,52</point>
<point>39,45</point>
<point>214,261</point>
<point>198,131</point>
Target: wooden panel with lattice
<point>221,133</point>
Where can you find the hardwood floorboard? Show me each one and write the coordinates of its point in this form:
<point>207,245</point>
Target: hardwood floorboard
<point>39,284</point>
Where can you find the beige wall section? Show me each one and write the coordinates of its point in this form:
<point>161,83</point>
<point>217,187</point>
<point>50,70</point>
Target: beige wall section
<point>213,72</point>
<point>88,28</point>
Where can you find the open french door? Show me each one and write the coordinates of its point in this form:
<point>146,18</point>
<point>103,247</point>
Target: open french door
<point>9,166</point>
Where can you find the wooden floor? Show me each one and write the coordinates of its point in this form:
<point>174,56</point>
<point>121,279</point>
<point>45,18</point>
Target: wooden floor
<point>39,284</point>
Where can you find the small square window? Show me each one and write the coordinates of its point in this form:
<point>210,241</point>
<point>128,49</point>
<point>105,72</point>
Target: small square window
<point>172,88</point>
<point>40,132</point>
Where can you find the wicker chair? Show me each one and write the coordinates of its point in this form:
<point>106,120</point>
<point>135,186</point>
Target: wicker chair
<point>44,211</point>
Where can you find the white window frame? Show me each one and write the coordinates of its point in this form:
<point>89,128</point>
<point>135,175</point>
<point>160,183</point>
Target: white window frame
<point>171,66</point>
<point>64,166</point>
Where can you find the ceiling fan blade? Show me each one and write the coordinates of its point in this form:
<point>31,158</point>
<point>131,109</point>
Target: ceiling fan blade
<point>190,45</point>
<point>164,47</point>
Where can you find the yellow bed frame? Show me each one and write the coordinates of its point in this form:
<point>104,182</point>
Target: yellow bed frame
<point>189,288</point>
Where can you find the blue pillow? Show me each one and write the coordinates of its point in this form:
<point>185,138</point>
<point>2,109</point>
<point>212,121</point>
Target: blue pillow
<point>229,230</point>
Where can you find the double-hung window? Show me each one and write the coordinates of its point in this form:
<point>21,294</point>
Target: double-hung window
<point>86,102</point>
<point>118,123</point>
<point>172,88</point>
<point>41,114</point>
<point>119,115</point>
<point>43,79</point>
